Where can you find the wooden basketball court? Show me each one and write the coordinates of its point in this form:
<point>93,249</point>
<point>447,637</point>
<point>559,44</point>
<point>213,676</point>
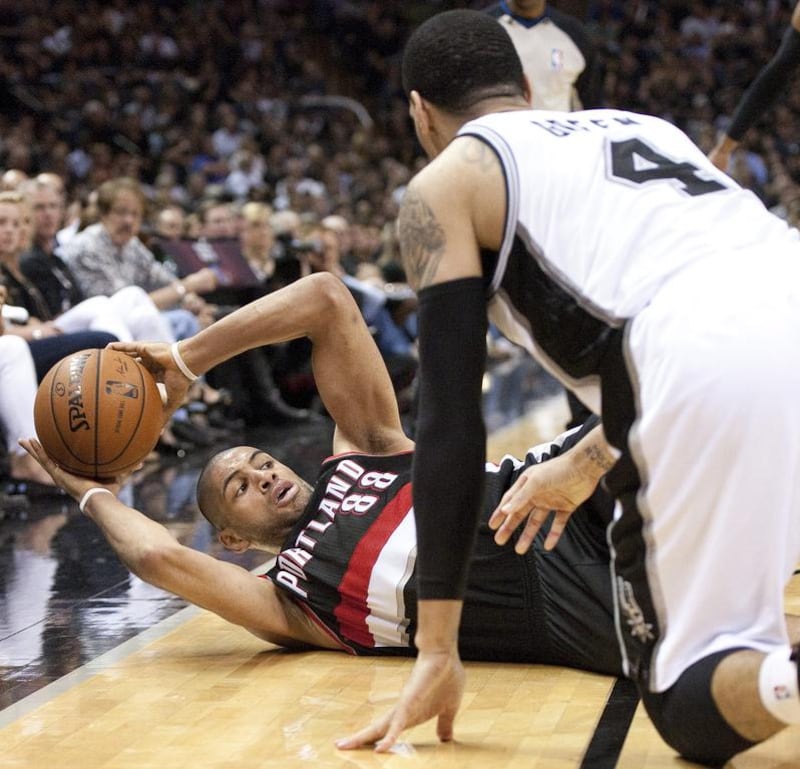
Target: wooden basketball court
<point>194,691</point>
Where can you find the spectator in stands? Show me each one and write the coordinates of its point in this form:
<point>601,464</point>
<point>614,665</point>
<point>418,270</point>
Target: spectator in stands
<point>257,240</point>
<point>218,219</point>
<point>248,169</point>
<point>128,313</point>
<point>17,392</point>
<point>46,341</point>
<point>257,396</point>
<point>387,315</point>
<point>109,255</point>
<point>12,179</point>
<point>761,94</point>
<point>170,223</point>
<point>274,263</point>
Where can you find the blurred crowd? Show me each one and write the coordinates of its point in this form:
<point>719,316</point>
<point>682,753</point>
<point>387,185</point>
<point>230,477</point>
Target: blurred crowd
<point>280,126</point>
<point>298,103</point>
<point>690,61</point>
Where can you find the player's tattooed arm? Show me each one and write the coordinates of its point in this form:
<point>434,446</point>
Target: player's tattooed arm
<point>594,455</point>
<point>480,154</point>
<point>422,239</point>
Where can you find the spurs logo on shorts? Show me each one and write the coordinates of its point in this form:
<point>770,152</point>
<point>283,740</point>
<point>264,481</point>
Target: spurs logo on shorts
<point>640,629</point>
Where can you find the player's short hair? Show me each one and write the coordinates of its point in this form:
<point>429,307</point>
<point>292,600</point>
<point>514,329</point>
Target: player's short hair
<point>207,496</point>
<point>459,58</point>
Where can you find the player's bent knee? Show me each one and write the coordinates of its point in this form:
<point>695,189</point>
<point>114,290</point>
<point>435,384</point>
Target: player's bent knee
<point>688,720</point>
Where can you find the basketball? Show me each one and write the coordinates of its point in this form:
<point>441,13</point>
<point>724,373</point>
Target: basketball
<point>98,413</point>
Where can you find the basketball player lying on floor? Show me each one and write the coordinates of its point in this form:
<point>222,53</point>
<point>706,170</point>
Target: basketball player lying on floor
<point>344,577</point>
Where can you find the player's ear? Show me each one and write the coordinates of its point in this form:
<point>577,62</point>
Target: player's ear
<point>232,541</point>
<point>418,110</point>
<point>527,89</point>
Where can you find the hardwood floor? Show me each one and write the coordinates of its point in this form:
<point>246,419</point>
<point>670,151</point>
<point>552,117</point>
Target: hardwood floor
<point>133,681</point>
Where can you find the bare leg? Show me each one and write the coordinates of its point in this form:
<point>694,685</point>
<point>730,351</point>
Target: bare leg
<point>734,687</point>
<point>793,626</point>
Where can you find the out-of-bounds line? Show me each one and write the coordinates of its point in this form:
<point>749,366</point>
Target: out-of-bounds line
<point>612,728</point>
<point>94,667</point>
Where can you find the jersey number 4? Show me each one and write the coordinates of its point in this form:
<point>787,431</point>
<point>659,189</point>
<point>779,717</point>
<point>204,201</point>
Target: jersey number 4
<point>634,161</point>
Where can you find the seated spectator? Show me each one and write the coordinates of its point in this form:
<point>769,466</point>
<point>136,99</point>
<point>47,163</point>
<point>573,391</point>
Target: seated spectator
<point>257,397</point>
<point>11,180</point>
<point>170,222</point>
<point>274,264</point>
<point>48,344</point>
<point>128,313</point>
<point>108,256</point>
<point>217,220</point>
<point>387,313</point>
<point>17,392</point>
<point>248,168</point>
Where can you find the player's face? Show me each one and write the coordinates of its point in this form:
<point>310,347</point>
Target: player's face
<point>261,498</point>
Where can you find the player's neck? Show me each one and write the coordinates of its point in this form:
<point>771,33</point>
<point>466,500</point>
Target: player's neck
<point>498,104</point>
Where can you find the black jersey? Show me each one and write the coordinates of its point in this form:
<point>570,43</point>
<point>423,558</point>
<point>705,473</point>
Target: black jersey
<point>350,562</point>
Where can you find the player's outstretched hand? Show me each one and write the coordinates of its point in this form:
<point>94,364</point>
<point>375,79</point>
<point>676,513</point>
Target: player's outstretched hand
<point>556,485</point>
<point>75,485</point>
<point>434,689</point>
<point>157,358</point>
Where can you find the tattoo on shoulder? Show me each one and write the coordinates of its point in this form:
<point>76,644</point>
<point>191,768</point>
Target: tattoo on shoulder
<point>478,153</point>
<point>422,239</point>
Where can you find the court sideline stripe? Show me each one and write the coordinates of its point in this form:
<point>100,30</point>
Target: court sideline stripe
<point>612,728</point>
<point>95,666</point>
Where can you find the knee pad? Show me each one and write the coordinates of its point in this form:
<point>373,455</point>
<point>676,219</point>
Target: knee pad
<point>687,717</point>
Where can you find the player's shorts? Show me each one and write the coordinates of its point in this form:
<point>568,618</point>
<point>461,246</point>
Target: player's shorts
<point>707,526</point>
<point>547,607</point>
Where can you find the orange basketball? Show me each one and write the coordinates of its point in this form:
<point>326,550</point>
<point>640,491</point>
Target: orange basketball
<point>98,413</point>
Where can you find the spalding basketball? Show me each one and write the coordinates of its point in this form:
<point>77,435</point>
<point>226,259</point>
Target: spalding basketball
<point>98,413</point>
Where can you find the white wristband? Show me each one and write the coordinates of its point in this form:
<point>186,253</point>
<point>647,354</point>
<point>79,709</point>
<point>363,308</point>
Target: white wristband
<point>89,494</point>
<point>179,362</point>
<point>179,288</point>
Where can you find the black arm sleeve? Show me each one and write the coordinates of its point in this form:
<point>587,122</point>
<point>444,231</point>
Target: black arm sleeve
<point>767,86</point>
<point>448,474</point>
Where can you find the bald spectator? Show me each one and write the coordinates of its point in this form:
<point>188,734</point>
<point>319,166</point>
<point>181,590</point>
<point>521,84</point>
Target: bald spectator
<point>170,222</point>
<point>11,180</point>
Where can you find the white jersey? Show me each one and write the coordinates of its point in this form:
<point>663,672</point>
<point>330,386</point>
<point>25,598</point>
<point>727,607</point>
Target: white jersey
<point>593,199</point>
<point>634,268</point>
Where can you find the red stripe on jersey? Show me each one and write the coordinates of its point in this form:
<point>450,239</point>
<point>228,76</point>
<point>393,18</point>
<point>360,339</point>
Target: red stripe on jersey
<point>352,611</point>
